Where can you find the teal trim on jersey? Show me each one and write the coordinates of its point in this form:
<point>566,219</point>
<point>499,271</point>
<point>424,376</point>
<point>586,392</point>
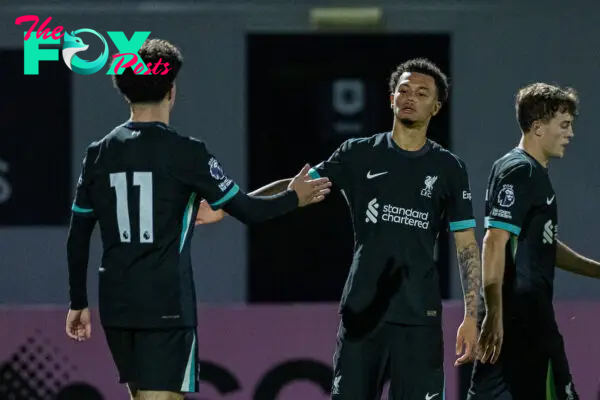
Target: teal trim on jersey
<point>444,390</point>
<point>189,377</point>
<point>314,173</point>
<point>232,192</point>
<point>193,367</point>
<point>187,219</point>
<point>550,384</point>
<point>464,224</point>
<point>502,225</point>
<point>77,209</point>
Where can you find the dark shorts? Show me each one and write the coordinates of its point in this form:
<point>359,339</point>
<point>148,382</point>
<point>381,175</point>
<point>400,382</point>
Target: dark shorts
<point>532,365</point>
<point>157,360</point>
<point>411,357</point>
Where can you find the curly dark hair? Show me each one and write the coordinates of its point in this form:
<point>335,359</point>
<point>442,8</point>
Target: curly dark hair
<point>138,88</point>
<point>425,67</point>
<point>541,101</point>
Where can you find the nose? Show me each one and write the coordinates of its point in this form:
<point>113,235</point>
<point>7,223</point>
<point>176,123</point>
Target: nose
<point>570,133</point>
<point>410,99</point>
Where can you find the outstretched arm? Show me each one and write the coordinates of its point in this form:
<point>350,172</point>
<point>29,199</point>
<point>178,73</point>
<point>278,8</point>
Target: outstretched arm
<point>207,215</point>
<point>252,208</point>
<point>272,188</point>
<point>334,169</point>
<point>568,260</point>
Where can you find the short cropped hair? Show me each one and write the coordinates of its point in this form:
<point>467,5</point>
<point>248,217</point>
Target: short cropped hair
<point>541,101</point>
<point>138,88</point>
<point>425,67</point>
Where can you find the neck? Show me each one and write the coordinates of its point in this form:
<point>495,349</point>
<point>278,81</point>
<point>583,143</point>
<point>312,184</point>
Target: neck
<point>409,138</point>
<point>150,113</point>
<point>529,144</point>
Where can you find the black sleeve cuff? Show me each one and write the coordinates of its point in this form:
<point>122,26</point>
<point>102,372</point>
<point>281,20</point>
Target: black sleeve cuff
<point>254,209</point>
<point>78,303</point>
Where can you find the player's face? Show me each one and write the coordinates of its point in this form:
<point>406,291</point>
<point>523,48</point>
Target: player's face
<point>415,99</point>
<point>556,134</point>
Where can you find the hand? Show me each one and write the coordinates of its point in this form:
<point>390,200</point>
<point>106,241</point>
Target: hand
<point>79,324</point>
<point>490,341</point>
<point>207,215</point>
<point>466,341</point>
<point>309,191</point>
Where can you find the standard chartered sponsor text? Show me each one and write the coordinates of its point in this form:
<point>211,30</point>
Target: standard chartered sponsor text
<point>405,216</point>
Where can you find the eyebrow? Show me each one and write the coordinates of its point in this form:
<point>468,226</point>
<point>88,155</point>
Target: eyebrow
<point>418,87</point>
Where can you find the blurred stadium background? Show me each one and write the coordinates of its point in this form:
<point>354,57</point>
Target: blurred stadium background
<point>271,85</point>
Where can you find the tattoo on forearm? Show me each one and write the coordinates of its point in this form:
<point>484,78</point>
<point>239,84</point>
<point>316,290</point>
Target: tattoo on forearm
<point>470,275</point>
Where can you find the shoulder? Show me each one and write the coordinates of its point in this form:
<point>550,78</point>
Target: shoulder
<point>450,160</point>
<point>362,144</point>
<point>117,134</point>
<point>514,165</point>
<point>93,150</point>
<point>181,146</point>
<point>189,142</point>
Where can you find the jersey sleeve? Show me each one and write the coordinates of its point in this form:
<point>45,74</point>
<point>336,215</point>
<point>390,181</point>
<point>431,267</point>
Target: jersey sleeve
<point>82,204</point>
<point>460,207</point>
<point>206,175</point>
<point>509,198</point>
<point>336,168</point>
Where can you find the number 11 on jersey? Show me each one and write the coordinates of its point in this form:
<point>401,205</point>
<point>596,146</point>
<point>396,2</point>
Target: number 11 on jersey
<point>118,181</point>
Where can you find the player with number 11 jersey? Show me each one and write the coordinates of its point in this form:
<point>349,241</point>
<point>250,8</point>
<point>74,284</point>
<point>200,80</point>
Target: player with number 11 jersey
<point>143,183</point>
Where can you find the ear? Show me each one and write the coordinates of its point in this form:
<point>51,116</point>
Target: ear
<point>171,94</point>
<point>392,101</point>
<point>436,108</point>
<point>536,128</point>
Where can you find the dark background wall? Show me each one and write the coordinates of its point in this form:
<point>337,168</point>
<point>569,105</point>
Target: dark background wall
<point>495,47</point>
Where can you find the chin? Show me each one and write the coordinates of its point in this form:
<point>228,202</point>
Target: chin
<point>559,154</point>
<point>407,121</point>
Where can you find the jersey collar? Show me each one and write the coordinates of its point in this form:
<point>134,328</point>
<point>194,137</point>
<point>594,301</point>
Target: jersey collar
<point>412,154</point>
<point>136,125</point>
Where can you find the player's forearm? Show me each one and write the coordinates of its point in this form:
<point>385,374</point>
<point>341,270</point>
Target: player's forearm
<point>78,250</point>
<point>470,270</point>
<point>252,209</point>
<point>493,274</point>
<point>206,215</point>
<point>272,188</point>
<point>569,260</point>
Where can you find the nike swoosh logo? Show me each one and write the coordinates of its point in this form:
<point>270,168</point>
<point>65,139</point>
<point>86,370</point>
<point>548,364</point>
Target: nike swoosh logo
<point>428,397</point>
<point>371,176</point>
<point>550,200</point>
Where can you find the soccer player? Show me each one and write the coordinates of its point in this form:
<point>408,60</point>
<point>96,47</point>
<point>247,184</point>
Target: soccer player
<point>400,187</point>
<point>521,352</point>
<point>143,183</point>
